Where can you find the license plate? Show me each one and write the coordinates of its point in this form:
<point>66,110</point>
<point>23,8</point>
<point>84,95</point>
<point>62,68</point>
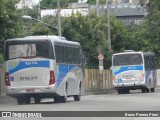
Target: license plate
<point>30,90</point>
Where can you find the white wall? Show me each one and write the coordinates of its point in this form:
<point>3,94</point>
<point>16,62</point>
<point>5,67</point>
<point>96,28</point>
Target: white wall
<point>64,12</point>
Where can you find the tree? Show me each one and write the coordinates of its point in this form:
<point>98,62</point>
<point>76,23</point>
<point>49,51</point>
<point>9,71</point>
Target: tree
<point>10,22</point>
<point>150,33</point>
<point>90,31</point>
<point>33,27</point>
<point>52,4</point>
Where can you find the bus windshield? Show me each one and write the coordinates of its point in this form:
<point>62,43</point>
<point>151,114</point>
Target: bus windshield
<point>127,59</point>
<point>27,50</point>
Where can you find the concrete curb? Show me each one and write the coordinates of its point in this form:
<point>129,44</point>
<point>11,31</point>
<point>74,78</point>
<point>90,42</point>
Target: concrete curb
<point>96,92</point>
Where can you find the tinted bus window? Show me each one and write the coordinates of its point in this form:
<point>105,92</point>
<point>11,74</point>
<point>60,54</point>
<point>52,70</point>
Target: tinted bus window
<point>67,54</point>
<point>127,59</point>
<point>28,49</point>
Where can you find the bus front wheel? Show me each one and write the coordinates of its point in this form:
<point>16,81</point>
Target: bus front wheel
<point>64,98</point>
<point>78,97</point>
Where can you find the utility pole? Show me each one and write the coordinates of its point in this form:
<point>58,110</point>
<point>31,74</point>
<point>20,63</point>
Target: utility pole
<point>39,11</point>
<point>108,24</point>
<point>59,18</point>
<point>97,7</point>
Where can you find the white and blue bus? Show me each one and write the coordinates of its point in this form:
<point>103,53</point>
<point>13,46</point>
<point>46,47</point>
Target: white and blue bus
<point>43,67</point>
<point>134,70</point>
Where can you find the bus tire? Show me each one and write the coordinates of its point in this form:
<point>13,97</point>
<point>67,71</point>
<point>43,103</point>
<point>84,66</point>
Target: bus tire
<point>143,90</point>
<point>57,99</point>
<point>152,89</point>
<point>147,90</point>
<point>64,98</point>
<point>20,100</point>
<point>126,91</point>
<point>27,100</point>
<point>78,97</point>
<point>37,99</point>
<point>119,91</point>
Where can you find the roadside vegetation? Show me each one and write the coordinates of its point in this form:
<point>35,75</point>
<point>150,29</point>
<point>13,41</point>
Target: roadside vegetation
<point>90,31</point>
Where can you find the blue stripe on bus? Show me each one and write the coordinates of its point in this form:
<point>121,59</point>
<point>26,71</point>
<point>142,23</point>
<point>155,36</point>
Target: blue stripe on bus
<point>119,69</point>
<point>63,71</point>
<point>28,64</point>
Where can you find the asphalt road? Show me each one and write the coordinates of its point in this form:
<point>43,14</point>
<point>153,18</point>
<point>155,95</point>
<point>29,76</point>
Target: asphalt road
<point>135,101</point>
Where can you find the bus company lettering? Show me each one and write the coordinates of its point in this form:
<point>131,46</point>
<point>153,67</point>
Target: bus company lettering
<point>31,63</point>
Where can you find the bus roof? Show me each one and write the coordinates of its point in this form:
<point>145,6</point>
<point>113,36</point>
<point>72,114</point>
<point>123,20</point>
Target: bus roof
<point>139,52</point>
<point>53,38</point>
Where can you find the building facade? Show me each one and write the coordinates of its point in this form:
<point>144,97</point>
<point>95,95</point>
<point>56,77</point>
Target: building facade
<point>129,1</point>
<point>27,3</point>
<point>128,13</point>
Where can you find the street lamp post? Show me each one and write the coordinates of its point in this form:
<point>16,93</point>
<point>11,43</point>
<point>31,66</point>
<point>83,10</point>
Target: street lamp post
<point>59,18</point>
<point>30,18</point>
<point>108,24</point>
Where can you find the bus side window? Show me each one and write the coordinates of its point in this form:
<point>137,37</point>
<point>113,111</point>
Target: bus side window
<point>57,51</point>
<point>146,62</point>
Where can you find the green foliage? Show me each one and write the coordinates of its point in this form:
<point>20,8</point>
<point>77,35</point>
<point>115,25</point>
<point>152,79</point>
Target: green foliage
<point>34,12</point>
<point>94,1</point>
<point>10,22</point>
<point>90,31</point>
<point>52,4</point>
<point>151,30</point>
<point>1,57</point>
<point>33,27</point>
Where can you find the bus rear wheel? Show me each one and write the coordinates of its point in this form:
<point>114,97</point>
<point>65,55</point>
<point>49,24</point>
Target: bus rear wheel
<point>27,100</point>
<point>57,99</point>
<point>143,90</point>
<point>152,89</point>
<point>20,100</point>
<point>37,99</point>
<point>147,90</point>
<point>120,91</point>
<point>123,91</point>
